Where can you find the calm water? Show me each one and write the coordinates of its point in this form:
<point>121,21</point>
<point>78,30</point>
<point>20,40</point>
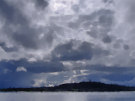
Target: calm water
<point>67,96</point>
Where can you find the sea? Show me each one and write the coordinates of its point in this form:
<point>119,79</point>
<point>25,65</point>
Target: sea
<point>67,96</point>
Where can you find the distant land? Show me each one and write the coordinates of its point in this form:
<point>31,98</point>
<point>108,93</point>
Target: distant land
<point>75,87</point>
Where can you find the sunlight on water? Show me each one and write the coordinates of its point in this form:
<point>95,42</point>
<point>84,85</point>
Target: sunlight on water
<point>68,96</point>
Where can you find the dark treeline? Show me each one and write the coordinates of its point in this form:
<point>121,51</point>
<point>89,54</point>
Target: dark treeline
<point>77,87</point>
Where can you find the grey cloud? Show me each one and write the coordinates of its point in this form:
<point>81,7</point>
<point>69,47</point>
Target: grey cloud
<point>10,13</point>
<point>108,1</point>
<point>111,69</point>
<point>23,32</point>
<point>66,52</point>
<point>24,35</point>
<point>105,22</point>
<point>75,8</point>
<point>107,39</point>
<point>92,33</point>
<point>118,43</point>
<point>49,34</point>
<point>7,49</point>
<point>28,37</point>
<point>42,3</point>
<point>126,47</point>
<point>130,12</point>
<point>98,24</point>
<point>100,52</point>
<point>104,17</point>
<point>73,25</point>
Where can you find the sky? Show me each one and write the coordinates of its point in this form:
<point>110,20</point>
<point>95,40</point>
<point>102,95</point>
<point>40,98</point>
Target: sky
<point>52,42</point>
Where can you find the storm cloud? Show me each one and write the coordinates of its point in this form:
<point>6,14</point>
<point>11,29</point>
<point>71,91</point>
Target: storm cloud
<point>49,42</point>
<point>66,52</point>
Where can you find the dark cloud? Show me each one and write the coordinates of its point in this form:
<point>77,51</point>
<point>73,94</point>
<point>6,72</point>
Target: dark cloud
<point>44,67</point>
<point>126,47</point>
<point>108,1</point>
<point>26,37</point>
<point>118,43</point>
<point>24,34</point>
<point>42,3</point>
<point>66,52</point>
<point>10,13</point>
<point>7,49</point>
<point>34,67</point>
<point>73,25</point>
<point>75,8</point>
<point>100,52</point>
<point>32,34</point>
<point>107,39</point>
<point>92,33</point>
<point>106,18</point>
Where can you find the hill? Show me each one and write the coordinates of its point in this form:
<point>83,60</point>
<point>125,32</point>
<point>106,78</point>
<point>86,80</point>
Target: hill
<point>77,87</point>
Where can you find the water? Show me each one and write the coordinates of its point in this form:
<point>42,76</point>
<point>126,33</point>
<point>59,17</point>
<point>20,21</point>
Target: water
<point>68,96</point>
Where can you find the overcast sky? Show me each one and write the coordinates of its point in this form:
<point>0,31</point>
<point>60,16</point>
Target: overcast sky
<point>51,42</point>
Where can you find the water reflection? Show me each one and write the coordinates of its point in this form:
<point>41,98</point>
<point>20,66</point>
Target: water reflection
<point>68,96</point>
<point>112,96</point>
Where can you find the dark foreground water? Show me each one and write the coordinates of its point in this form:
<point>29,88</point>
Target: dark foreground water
<point>68,96</point>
